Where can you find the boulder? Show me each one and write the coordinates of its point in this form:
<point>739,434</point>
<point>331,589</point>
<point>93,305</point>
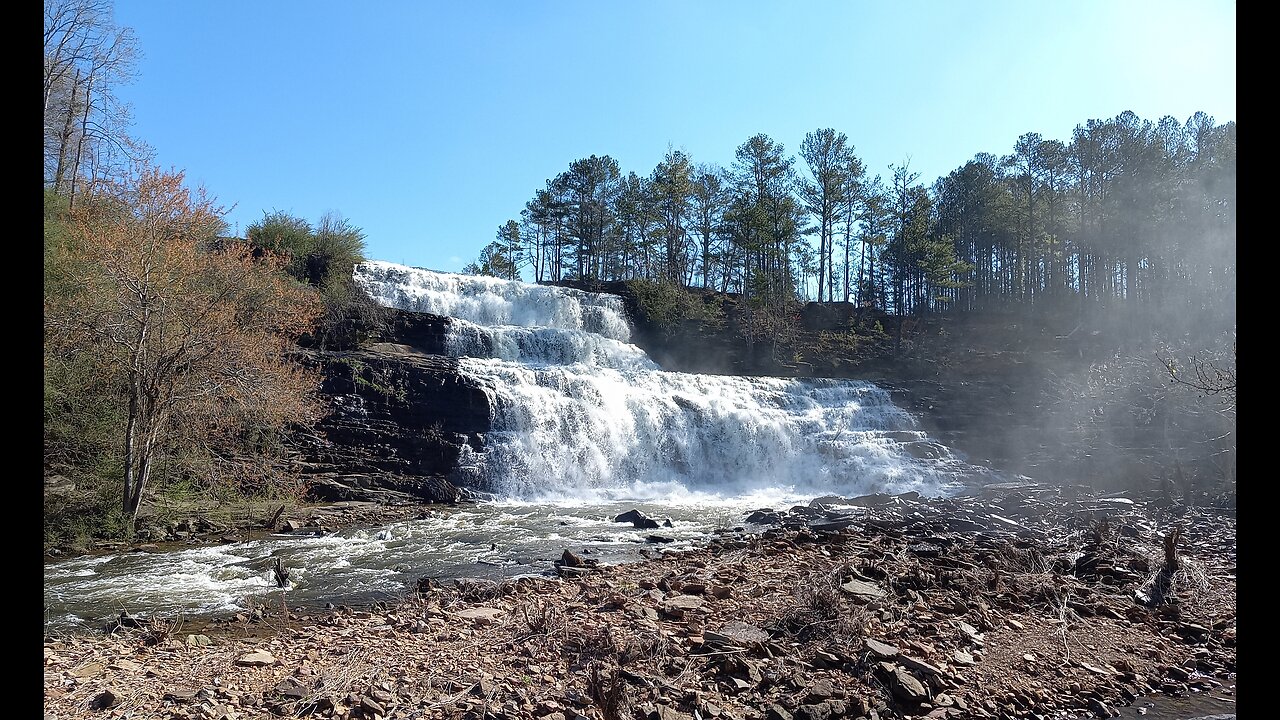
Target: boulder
<point>638,519</point>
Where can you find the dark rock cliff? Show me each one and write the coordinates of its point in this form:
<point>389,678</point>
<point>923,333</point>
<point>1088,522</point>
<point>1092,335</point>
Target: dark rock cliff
<point>1018,393</point>
<point>397,420</point>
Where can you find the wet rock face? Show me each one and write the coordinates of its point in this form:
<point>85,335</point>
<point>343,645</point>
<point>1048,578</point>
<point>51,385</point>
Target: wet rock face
<point>424,332</point>
<point>397,423</point>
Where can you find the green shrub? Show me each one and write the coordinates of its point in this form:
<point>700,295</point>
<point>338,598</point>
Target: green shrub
<point>666,306</point>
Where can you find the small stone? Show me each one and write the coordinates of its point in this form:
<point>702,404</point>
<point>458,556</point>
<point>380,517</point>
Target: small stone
<point>737,634</point>
<point>291,688</point>
<point>777,712</point>
<point>720,592</point>
<point>680,604</point>
<point>906,686</point>
<point>106,699</point>
<point>821,690</point>
<point>922,666</point>
<point>666,712</point>
<point>971,631</point>
<point>960,657</point>
<point>372,705</point>
<point>816,711</point>
<point>1101,709</point>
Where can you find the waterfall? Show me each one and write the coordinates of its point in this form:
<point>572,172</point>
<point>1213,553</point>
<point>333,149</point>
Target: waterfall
<point>586,426</point>
<point>583,415</point>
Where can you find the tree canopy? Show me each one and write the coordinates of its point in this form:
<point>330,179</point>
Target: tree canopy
<point>192,332</point>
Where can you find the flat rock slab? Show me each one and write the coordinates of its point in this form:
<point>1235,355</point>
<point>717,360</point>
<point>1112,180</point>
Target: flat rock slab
<point>922,667</point>
<point>257,658</point>
<point>480,615</point>
<point>89,670</point>
<point>971,632</point>
<point>880,649</point>
<point>181,694</point>
<point>681,604</point>
<point>738,634</point>
<point>830,525</point>
<point>861,589</point>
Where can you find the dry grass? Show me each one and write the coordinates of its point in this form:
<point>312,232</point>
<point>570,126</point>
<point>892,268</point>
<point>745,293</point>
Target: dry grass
<point>821,611</point>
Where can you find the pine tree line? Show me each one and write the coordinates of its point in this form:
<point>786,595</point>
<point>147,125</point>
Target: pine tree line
<point>1127,211</point>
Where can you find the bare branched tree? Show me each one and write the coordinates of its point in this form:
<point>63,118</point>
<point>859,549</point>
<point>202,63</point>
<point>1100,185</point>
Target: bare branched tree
<point>1209,377</point>
<point>86,57</point>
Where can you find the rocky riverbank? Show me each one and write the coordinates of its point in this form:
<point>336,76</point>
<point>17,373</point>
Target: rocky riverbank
<point>1018,602</point>
<point>199,524</point>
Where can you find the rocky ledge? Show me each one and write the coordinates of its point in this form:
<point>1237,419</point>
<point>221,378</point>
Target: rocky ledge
<point>397,421</point>
<point>1013,603</point>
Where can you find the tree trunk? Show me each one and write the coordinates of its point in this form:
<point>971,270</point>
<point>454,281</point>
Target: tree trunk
<point>64,139</point>
<point>84,128</point>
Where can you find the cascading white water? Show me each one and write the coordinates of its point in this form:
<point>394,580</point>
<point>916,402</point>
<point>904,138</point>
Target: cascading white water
<point>494,302</point>
<point>544,346</point>
<point>584,416</point>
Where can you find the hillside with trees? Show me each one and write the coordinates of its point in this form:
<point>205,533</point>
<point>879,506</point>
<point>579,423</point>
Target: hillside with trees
<point>169,347</point>
<point>1093,277</point>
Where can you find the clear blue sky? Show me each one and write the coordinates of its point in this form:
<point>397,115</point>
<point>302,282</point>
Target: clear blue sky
<point>428,124</point>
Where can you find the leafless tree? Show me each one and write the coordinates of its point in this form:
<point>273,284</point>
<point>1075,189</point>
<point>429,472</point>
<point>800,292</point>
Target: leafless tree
<point>86,57</point>
<point>1208,377</point>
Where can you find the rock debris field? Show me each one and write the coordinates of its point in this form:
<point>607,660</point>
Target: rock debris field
<point>1019,601</point>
